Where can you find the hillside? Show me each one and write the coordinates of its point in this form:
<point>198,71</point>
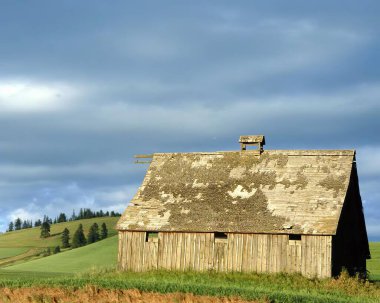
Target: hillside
<point>97,255</point>
<point>24,244</point>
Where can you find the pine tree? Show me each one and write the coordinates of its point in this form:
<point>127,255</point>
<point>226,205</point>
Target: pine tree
<point>37,223</point>
<point>45,230</point>
<point>73,216</point>
<point>79,238</point>
<point>57,250</point>
<point>93,234</point>
<point>104,231</point>
<point>10,226</point>
<point>61,218</point>
<point>18,224</point>
<point>65,238</point>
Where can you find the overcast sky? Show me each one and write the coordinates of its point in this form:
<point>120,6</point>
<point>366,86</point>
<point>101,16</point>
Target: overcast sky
<point>85,85</point>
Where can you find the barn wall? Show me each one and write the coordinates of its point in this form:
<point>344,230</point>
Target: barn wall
<point>310,256</point>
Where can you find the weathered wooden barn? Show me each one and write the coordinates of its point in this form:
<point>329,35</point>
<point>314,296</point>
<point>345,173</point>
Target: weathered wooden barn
<point>247,210</point>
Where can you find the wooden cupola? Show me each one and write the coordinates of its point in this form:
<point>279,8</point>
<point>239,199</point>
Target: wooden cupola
<point>257,140</point>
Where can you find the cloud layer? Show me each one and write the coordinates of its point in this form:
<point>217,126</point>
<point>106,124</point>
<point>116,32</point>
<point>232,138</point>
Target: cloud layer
<point>85,86</point>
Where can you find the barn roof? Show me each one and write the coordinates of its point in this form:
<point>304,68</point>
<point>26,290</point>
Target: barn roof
<point>277,191</point>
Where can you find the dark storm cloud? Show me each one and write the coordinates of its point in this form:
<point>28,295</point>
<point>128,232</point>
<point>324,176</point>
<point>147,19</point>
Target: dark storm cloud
<point>86,85</point>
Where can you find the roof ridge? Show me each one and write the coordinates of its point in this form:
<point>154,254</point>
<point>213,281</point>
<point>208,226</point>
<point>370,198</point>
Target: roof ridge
<point>290,152</point>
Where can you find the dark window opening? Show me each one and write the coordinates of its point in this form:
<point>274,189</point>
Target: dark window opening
<point>295,237</point>
<point>219,235</point>
<point>151,236</point>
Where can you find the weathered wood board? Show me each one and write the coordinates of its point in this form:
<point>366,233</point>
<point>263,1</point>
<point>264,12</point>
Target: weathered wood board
<point>310,256</point>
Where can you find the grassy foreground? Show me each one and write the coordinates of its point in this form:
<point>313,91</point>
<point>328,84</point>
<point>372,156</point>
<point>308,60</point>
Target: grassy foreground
<point>264,287</point>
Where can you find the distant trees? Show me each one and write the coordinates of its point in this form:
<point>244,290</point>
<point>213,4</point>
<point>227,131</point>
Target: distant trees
<point>10,226</point>
<point>104,231</point>
<point>45,230</point>
<point>26,224</point>
<point>18,224</point>
<point>61,218</point>
<point>65,238</point>
<point>79,238</point>
<point>87,213</point>
<point>47,219</point>
<point>93,234</point>
<point>84,213</point>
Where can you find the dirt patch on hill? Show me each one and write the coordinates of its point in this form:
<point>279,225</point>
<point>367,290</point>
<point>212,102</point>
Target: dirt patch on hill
<point>92,294</point>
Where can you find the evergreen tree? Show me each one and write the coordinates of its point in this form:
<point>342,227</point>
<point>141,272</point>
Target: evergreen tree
<point>93,234</point>
<point>11,226</point>
<point>24,224</point>
<point>45,230</point>
<point>104,231</point>
<point>65,238</point>
<point>79,238</point>
<point>61,218</point>
<point>18,224</point>
<point>73,216</point>
<point>57,250</point>
<point>37,223</point>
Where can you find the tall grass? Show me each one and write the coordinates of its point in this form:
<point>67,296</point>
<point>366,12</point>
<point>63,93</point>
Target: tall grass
<point>274,288</point>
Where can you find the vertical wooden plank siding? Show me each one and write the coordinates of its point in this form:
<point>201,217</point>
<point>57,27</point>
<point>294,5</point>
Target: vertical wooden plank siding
<point>310,256</point>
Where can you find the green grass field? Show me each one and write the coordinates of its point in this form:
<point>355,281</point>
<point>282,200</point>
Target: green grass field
<point>97,255</point>
<point>373,265</point>
<point>7,252</point>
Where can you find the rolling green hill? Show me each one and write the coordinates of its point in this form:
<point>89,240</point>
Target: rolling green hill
<point>31,237</point>
<point>24,245</point>
<point>7,252</point>
<point>97,255</point>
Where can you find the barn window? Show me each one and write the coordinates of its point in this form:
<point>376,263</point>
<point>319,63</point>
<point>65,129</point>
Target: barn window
<point>220,237</point>
<point>151,236</point>
<point>295,237</point>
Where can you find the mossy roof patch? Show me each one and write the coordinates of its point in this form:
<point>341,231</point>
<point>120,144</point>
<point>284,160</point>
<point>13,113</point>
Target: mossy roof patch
<point>276,192</point>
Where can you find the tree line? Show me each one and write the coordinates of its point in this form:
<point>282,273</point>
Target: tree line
<point>84,213</point>
<point>79,239</point>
